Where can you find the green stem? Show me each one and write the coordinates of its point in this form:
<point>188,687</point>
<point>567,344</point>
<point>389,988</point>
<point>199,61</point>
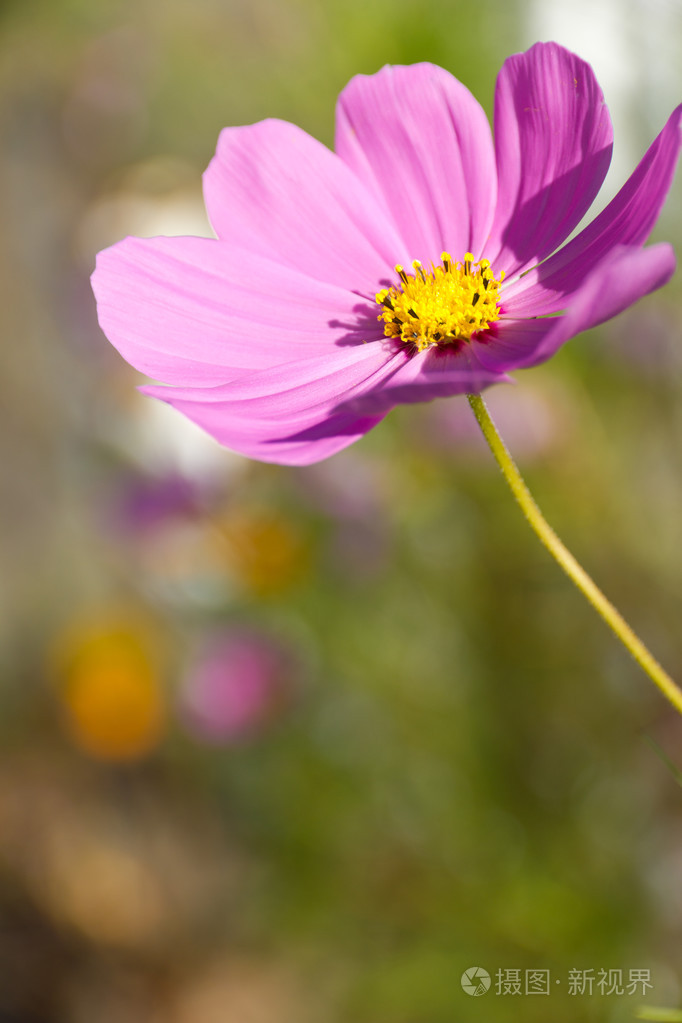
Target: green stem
<point>570,566</point>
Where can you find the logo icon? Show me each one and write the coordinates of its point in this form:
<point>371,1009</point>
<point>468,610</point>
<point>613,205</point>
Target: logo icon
<point>475,981</point>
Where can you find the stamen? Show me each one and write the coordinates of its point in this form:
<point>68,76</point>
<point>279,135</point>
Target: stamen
<point>418,267</point>
<point>446,305</point>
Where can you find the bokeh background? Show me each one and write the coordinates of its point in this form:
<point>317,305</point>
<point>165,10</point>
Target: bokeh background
<point>299,745</point>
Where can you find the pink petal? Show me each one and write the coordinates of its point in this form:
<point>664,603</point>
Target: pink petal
<point>509,344</point>
<point>553,140</point>
<point>422,143</point>
<point>292,413</point>
<point>199,311</point>
<point>627,220</point>
<point>433,373</point>
<point>624,277</point>
<point>274,190</point>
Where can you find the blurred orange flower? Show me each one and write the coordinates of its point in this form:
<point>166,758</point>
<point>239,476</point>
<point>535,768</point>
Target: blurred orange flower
<point>110,688</point>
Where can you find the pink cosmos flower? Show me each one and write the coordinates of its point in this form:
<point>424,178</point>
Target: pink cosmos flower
<point>420,259</point>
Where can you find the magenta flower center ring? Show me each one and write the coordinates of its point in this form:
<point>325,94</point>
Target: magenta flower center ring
<point>445,305</point>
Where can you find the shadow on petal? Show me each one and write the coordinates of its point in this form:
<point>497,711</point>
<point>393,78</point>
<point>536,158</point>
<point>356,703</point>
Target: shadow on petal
<point>362,328</point>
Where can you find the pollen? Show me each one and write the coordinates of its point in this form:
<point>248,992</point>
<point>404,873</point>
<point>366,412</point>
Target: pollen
<point>447,304</point>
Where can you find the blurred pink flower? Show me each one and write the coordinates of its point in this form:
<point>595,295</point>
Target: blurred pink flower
<point>143,503</point>
<point>533,420</point>
<point>647,343</point>
<point>237,683</point>
<point>297,329</point>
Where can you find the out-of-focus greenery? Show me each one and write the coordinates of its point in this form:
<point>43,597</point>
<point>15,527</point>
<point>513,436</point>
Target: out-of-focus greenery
<point>287,745</point>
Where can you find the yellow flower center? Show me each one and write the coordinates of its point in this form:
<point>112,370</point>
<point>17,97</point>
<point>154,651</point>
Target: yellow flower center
<point>445,305</point>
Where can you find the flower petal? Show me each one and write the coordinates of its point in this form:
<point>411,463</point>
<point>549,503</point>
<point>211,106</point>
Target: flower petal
<point>432,373</point>
<point>625,276</point>
<point>627,220</point>
<point>553,140</point>
<point>510,344</point>
<point>421,141</point>
<point>290,413</point>
<point>274,190</point>
<point>199,311</point>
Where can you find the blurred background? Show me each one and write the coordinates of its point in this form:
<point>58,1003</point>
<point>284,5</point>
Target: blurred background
<point>298,745</point>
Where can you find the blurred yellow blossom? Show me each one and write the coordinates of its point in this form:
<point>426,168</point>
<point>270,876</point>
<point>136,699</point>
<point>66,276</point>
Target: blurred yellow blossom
<point>262,550</point>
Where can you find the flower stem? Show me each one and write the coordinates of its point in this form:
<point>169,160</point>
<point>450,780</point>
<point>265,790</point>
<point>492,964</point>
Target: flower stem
<point>564,557</point>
